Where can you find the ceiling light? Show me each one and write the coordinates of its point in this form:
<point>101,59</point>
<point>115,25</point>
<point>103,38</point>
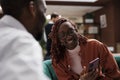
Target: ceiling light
<point>74,0</point>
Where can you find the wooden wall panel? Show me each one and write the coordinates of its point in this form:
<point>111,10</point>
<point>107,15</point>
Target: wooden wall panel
<point>111,34</point>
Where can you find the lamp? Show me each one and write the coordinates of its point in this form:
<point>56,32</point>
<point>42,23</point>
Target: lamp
<point>74,0</point>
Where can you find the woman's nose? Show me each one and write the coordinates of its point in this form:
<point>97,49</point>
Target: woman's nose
<point>63,38</point>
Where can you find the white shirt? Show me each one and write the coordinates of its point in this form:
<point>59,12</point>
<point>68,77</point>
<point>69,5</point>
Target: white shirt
<point>20,54</point>
<point>76,60</point>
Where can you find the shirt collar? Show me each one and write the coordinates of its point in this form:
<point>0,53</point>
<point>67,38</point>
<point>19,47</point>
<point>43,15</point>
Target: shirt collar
<point>50,22</point>
<point>12,22</point>
<point>75,50</point>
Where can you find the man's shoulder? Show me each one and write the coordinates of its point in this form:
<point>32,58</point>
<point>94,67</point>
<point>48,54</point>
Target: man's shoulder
<point>11,33</point>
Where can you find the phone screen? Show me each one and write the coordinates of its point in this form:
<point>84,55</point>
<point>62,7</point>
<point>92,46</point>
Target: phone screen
<point>93,64</point>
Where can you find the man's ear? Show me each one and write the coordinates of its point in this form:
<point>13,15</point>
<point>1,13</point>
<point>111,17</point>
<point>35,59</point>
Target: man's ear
<point>32,8</point>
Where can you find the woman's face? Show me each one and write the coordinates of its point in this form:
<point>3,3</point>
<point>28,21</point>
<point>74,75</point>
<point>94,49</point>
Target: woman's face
<point>67,35</point>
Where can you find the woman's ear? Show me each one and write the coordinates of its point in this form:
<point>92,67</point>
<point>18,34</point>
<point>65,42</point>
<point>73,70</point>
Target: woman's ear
<point>32,8</point>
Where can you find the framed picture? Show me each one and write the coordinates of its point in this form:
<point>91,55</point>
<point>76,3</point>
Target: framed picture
<point>103,22</point>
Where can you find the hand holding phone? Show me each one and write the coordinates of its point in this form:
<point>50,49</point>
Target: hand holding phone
<point>93,64</point>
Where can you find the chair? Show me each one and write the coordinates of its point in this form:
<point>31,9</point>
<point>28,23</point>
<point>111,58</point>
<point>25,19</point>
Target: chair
<point>48,70</point>
<point>117,58</point>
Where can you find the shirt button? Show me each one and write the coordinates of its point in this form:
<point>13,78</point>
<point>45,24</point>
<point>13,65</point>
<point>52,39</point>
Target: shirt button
<point>69,67</point>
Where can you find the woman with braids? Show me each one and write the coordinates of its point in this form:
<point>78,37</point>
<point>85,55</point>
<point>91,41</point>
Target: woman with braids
<point>72,52</point>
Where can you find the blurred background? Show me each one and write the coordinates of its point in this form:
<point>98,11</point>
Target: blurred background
<point>99,19</point>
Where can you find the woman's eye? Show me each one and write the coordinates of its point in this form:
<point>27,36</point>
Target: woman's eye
<point>61,35</point>
<point>71,32</point>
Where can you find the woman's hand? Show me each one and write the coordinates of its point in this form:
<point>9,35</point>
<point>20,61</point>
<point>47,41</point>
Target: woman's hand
<point>92,75</point>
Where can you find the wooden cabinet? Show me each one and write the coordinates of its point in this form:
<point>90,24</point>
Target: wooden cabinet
<point>90,30</point>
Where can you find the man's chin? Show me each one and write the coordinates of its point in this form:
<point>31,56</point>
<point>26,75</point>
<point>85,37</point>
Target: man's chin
<point>38,37</point>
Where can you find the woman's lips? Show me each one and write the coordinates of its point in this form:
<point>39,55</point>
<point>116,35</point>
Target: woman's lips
<point>69,42</point>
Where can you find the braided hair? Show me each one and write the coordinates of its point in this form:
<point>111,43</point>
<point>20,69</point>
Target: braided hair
<point>58,50</point>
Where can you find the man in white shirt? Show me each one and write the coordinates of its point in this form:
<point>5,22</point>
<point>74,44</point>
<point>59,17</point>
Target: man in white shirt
<point>20,54</point>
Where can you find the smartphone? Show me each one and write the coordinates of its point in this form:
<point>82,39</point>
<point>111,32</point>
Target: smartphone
<point>93,64</point>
